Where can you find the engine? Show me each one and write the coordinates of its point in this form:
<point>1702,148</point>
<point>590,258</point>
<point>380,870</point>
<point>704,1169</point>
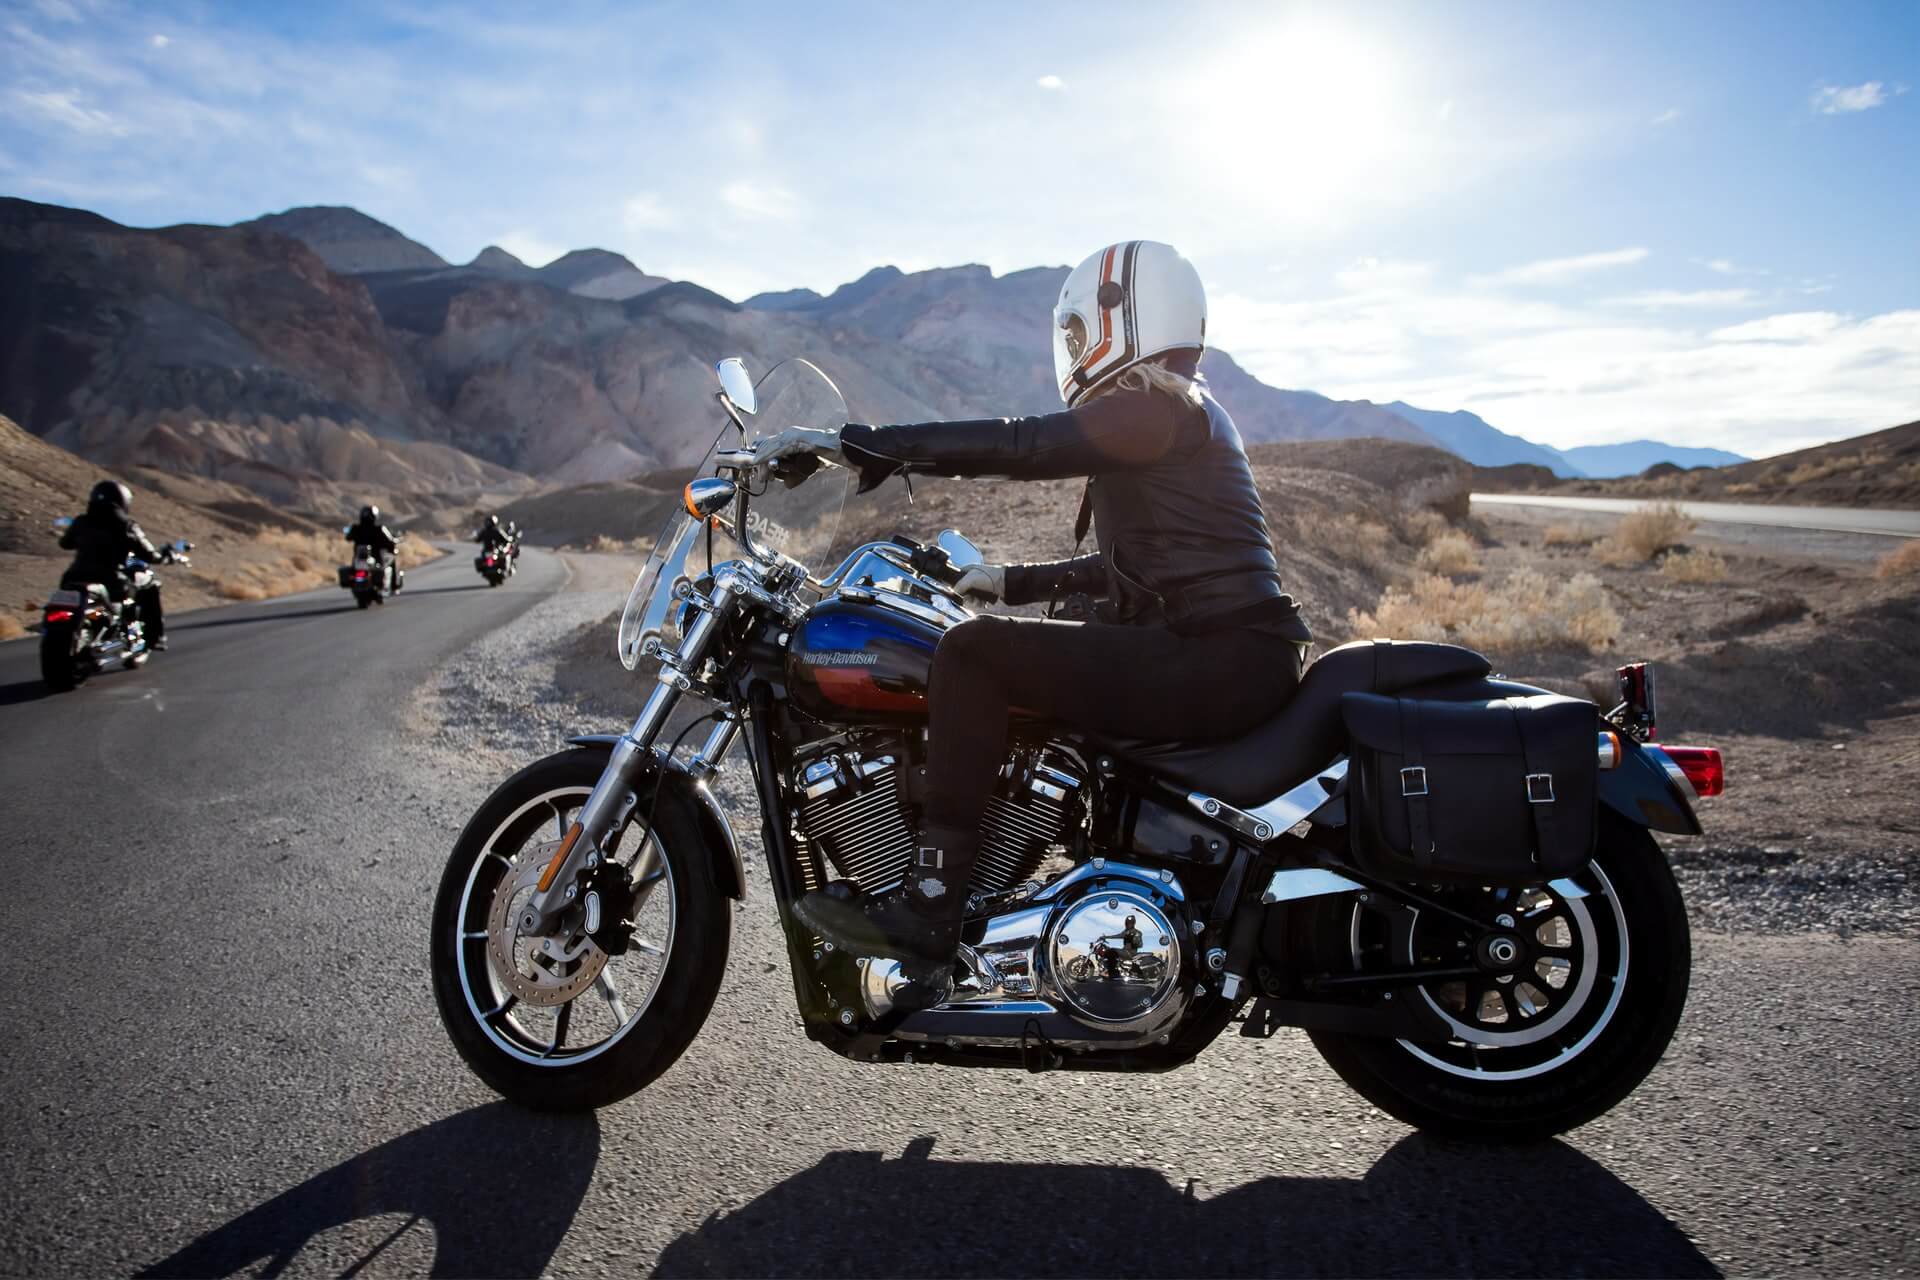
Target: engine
<point>853,812</point>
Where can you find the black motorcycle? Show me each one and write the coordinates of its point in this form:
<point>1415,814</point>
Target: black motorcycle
<point>497,564</point>
<point>1446,878</point>
<point>369,579</point>
<point>85,626</point>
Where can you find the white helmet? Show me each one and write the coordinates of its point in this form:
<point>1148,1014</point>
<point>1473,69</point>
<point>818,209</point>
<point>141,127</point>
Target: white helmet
<point>1125,304</point>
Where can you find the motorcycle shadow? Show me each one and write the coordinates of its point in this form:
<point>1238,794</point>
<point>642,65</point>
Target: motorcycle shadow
<point>1425,1208</point>
<point>498,1186</point>
<point>249,619</point>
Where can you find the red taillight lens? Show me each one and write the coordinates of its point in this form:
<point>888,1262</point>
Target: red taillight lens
<point>1702,767</point>
<point>59,615</point>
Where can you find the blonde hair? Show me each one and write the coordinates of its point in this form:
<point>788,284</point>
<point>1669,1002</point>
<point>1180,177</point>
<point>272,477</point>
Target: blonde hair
<point>1151,375</point>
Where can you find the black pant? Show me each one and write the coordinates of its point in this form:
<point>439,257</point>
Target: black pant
<point>1137,682</point>
<point>146,607</point>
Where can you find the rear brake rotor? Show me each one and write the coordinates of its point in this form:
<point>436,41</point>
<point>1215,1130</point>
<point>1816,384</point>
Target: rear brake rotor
<point>538,970</point>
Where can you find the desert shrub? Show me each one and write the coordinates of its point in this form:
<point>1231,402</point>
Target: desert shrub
<point>1451,553</point>
<point>1644,534</point>
<point>1694,567</point>
<point>239,589</point>
<point>1526,611</point>
<point>1562,535</point>
<point>1422,526</point>
<point>606,546</point>
<point>1366,544</point>
<point>10,628</point>
<point>1903,562</point>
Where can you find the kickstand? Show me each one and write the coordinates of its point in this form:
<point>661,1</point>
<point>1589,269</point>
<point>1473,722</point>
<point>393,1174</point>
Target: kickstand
<point>1037,1053</point>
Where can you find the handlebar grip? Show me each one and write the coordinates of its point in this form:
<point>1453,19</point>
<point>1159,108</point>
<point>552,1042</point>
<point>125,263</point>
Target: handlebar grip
<point>795,468</point>
<point>933,562</point>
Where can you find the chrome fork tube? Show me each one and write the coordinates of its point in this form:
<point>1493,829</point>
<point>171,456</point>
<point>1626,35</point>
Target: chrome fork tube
<point>614,796</point>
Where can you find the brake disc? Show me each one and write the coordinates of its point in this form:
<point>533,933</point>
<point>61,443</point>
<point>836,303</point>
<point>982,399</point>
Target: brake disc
<point>539,970</point>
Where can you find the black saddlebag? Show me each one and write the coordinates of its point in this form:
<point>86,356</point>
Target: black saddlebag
<point>346,575</point>
<point>1499,792</point>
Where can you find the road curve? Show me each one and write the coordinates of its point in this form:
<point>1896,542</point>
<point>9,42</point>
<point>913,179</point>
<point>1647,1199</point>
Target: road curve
<point>1868,520</point>
<point>222,1055</point>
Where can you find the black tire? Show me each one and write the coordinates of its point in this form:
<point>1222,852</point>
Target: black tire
<point>363,601</point>
<point>61,668</point>
<point>695,958</point>
<point>1435,1088</point>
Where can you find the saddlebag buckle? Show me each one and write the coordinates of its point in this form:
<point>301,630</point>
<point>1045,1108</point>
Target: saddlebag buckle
<point>1413,781</point>
<point>1539,788</point>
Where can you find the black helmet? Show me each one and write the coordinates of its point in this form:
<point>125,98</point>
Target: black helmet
<point>110,493</point>
<point>369,515</point>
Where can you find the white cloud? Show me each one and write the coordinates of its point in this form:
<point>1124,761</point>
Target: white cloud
<point>1667,117</point>
<point>1052,84</point>
<point>1446,111</point>
<point>159,41</point>
<point>1834,100</point>
<point>1560,270</point>
<point>644,212</point>
<point>760,201</point>
<point>1670,299</point>
<point>1796,326</point>
<point>64,107</point>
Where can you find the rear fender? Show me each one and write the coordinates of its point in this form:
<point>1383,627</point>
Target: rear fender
<point>1649,790</point>
<point>729,868</point>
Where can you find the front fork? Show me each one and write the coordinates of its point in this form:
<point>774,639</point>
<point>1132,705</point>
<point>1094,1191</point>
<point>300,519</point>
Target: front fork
<point>617,792</point>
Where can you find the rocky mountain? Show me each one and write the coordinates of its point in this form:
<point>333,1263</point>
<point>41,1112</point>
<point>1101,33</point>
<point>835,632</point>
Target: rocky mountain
<point>347,240</point>
<point>1601,461</point>
<point>1481,443</point>
<point>318,352</point>
<point>1880,469</point>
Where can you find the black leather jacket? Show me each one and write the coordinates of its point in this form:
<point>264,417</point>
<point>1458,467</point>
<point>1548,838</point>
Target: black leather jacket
<point>492,535</point>
<point>101,541</point>
<point>375,537</point>
<point>1182,536</point>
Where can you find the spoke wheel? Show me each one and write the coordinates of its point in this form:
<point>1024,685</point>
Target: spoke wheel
<point>1556,1028</point>
<point>594,1011</point>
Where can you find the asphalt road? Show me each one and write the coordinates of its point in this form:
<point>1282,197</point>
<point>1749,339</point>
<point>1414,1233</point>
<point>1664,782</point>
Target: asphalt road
<point>1892,524</point>
<point>222,1054</point>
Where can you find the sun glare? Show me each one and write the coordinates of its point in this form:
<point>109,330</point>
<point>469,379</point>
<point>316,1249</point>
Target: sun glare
<point>1297,121</point>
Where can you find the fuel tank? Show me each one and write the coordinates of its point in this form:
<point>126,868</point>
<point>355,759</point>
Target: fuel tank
<point>861,662</point>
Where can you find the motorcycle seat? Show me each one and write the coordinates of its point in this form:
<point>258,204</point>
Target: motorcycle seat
<point>1307,733</point>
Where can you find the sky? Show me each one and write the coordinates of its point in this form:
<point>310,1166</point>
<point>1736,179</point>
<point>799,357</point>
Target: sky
<point>1587,223</point>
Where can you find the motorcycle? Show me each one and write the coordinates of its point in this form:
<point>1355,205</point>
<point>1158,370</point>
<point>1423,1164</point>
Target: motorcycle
<point>1131,900</point>
<point>82,628</point>
<point>497,564</point>
<point>371,581</point>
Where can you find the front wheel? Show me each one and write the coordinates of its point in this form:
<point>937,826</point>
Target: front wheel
<point>1560,1038</point>
<point>577,1020</point>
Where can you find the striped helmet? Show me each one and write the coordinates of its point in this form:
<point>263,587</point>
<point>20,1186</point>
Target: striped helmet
<point>1127,303</point>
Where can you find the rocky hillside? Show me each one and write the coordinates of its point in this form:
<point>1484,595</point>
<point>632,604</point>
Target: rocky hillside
<point>1881,469</point>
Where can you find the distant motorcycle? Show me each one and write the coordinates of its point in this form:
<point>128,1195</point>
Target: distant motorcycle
<point>85,627</point>
<point>497,564</point>
<point>371,581</point>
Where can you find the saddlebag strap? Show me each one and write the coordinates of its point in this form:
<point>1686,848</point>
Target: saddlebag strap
<point>1413,783</point>
<point>1539,783</point>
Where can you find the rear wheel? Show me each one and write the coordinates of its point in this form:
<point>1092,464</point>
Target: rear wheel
<point>363,600</point>
<point>64,663</point>
<point>565,1023</point>
<point>1568,1030</point>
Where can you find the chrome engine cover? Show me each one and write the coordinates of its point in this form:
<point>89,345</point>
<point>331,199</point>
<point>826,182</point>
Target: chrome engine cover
<point>1067,959</point>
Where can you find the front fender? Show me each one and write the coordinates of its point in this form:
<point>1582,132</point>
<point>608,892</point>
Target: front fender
<point>730,869</point>
<point>1648,789</point>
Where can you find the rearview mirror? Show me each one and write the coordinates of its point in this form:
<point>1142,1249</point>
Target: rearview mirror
<point>182,545</point>
<point>737,383</point>
<point>961,554</point>
<point>63,523</point>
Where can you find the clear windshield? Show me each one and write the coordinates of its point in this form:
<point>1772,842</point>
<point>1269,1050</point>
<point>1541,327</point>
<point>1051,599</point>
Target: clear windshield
<point>799,522</point>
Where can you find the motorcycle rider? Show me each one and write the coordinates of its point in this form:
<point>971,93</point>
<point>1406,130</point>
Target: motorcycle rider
<point>1196,640</point>
<point>492,536</point>
<point>101,539</point>
<point>379,540</point>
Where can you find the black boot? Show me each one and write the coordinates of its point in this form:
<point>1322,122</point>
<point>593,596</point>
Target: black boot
<point>917,923</point>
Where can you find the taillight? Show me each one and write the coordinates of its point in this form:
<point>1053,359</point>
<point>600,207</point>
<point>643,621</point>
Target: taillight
<point>1702,766</point>
<point>59,615</point>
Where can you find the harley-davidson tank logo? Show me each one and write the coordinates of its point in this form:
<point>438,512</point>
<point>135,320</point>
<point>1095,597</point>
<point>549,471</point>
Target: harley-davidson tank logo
<point>841,658</point>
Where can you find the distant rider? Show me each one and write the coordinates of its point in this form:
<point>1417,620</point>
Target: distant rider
<point>101,541</point>
<point>493,537</point>
<point>379,540</point>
